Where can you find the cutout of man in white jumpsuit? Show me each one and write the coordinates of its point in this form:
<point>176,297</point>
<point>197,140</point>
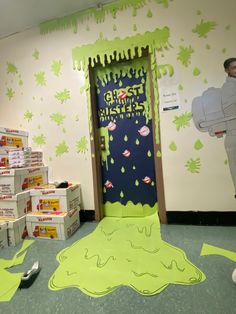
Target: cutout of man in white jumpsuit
<point>215,112</point>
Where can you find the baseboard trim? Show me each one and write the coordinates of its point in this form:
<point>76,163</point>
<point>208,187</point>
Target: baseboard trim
<point>202,218</point>
<point>184,218</point>
<point>87,215</point>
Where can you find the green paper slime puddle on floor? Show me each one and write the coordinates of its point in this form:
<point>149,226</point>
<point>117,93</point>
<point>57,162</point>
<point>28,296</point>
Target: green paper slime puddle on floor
<point>123,252</point>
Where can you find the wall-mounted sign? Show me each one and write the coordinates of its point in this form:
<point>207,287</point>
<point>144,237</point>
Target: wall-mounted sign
<point>169,98</point>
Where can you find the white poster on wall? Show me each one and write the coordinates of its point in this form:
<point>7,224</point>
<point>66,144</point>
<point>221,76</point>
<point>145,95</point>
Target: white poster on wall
<point>169,97</point>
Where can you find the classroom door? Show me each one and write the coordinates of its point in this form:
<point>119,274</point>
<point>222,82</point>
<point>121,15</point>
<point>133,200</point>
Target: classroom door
<point>126,140</point>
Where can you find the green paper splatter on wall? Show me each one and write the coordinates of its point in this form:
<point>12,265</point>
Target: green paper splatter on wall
<point>10,93</point>
<point>205,81</point>
<point>122,170</point>
<point>11,68</point>
<point>112,161</point>
<point>73,20</point>
<point>149,154</point>
<point>204,28</point>
<point>184,55</point>
<point>136,183</point>
<point>224,50</point>
<point>208,47</point>
<point>82,56</point>
<point>198,145</point>
<point>137,142</point>
<point>126,138</point>
<point>164,69</point>
<point>77,118</point>
<point>28,115</point>
<point>180,87</point>
<point>20,83</point>
<point>193,165</point>
<point>61,149</point>
<point>63,96</point>
<point>159,154</point>
<point>149,13</point>
<point>56,67</point>
<point>173,146</point>
<point>226,162</point>
<point>40,78</point>
<point>134,168</point>
<point>39,140</point>
<point>35,54</point>
<point>182,121</point>
<point>165,3</point>
<point>196,71</point>
<point>122,194</point>
<point>58,118</point>
<point>82,145</point>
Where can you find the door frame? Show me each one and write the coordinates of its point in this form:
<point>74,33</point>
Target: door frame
<point>95,146</point>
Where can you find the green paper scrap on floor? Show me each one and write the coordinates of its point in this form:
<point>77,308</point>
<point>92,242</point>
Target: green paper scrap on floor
<point>11,281</point>
<point>123,252</point>
<point>208,249</point>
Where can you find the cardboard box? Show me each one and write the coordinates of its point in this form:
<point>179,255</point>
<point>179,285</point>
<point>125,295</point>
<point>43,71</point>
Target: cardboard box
<point>3,235</point>
<point>50,199</point>
<point>13,181</point>
<point>4,161</point>
<point>10,138</point>
<point>15,206</point>
<point>16,230</point>
<point>52,226</point>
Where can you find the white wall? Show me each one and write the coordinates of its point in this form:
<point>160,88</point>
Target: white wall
<point>209,190</point>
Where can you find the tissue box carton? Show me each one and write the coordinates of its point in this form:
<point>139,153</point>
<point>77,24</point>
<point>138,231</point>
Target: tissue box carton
<point>3,235</point>
<point>10,138</point>
<point>50,199</point>
<point>16,230</point>
<point>59,226</point>
<point>13,181</point>
<point>15,206</point>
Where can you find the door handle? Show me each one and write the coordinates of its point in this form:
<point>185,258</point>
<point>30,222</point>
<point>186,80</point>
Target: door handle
<point>102,143</point>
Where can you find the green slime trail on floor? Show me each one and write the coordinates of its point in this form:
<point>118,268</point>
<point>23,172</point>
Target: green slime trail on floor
<point>123,252</point>
<point>10,281</point>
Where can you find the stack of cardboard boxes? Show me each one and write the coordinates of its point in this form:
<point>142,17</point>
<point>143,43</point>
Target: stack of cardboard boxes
<point>17,185</point>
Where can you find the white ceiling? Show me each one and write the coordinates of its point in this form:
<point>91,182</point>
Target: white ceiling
<point>19,15</point>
